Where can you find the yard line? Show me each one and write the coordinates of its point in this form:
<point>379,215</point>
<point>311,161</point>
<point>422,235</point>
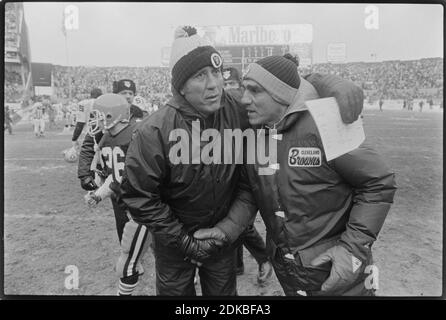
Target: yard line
<point>57,217</point>
<point>35,159</point>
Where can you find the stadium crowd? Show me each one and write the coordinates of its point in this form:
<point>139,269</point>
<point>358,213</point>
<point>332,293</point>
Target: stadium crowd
<point>13,86</point>
<point>381,80</point>
<point>391,79</point>
<point>151,81</point>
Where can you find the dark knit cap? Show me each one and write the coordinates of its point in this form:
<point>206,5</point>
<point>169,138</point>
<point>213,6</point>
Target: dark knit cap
<point>192,62</point>
<point>282,68</point>
<point>124,84</point>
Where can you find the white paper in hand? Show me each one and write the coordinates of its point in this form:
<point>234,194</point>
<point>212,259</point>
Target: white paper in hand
<point>337,137</point>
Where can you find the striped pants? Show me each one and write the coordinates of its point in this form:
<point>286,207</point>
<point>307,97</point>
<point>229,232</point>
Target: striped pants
<point>134,240</point>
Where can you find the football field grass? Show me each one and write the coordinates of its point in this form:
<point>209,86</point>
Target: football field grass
<point>47,226</point>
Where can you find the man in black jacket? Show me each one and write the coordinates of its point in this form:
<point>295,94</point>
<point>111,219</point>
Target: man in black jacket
<point>175,191</point>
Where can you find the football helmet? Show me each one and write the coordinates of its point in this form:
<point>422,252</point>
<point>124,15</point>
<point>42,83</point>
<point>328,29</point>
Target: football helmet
<point>108,110</point>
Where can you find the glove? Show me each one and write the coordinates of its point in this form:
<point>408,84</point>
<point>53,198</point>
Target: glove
<point>345,269</point>
<point>75,144</point>
<point>211,233</point>
<point>350,99</point>
<point>91,199</point>
<point>198,250</point>
<point>88,184</point>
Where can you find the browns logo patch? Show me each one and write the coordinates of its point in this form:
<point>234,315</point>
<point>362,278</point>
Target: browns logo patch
<point>304,157</point>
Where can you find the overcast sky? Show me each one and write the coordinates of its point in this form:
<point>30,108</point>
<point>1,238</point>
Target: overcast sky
<point>133,34</point>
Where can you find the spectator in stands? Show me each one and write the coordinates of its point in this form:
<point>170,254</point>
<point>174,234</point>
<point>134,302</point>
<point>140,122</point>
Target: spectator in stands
<point>387,79</point>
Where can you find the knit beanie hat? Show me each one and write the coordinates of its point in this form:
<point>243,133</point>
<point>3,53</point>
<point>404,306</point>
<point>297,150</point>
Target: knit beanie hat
<point>124,84</point>
<point>190,53</point>
<point>278,75</point>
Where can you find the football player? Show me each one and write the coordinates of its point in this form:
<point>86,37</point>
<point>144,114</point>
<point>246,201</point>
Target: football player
<point>84,108</point>
<point>82,112</point>
<point>38,114</point>
<point>87,169</point>
<point>111,116</point>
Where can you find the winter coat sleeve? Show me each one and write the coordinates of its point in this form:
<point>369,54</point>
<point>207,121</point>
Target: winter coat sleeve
<point>145,171</point>
<point>86,155</point>
<point>350,97</point>
<point>77,131</point>
<point>374,188</point>
<point>242,211</point>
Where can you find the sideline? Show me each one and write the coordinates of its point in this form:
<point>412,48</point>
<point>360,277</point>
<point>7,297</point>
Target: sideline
<point>58,216</point>
<point>35,159</point>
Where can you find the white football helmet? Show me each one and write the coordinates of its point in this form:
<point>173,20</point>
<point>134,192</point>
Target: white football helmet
<point>108,110</point>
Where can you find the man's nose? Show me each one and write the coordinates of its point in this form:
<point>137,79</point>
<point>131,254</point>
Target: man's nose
<point>212,81</point>
<point>246,99</point>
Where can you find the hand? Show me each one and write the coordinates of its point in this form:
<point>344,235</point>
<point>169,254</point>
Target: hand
<point>91,199</point>
<point>211,233</point>
<point>350,99</point>
<point>198,250</point>
<point>88,184</point>
<point>345,268</point>
<point>75,144</point>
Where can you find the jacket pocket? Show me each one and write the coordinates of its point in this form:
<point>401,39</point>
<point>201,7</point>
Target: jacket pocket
<point>305,276</point>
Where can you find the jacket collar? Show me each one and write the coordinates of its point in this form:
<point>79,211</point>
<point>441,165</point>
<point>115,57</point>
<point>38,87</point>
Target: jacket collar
<point>179,103</point>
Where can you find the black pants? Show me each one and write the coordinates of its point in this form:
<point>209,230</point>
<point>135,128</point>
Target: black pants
<point>175,276</point>
<point>253,241</point>
<point>120,218</point>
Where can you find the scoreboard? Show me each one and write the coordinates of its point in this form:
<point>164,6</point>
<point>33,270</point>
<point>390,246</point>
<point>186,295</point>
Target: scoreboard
<point>240,45</point>
<point>247,54</point>
<point>240,56</point>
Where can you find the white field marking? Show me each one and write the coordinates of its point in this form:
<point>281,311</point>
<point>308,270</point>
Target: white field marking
<point>399,127</point>
<point>400,137</point>
<point>13,167</point>
<point>35,159</point>
<point>410,119</point>
<point>58,217</point>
